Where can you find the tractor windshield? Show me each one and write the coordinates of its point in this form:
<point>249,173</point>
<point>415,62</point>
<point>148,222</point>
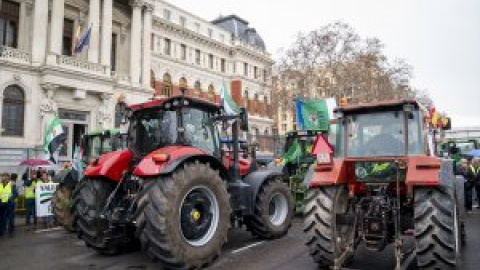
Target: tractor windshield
<point>153,129</point>
<point>382,134</point>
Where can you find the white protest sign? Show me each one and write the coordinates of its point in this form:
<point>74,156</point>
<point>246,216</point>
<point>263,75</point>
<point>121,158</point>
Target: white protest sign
<point>43,196</point>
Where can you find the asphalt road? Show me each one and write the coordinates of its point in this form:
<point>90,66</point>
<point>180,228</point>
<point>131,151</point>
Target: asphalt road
<point>57,249</point>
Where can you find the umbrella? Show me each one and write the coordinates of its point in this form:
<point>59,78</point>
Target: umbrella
<point>35,162</point>
<point>474,153</point>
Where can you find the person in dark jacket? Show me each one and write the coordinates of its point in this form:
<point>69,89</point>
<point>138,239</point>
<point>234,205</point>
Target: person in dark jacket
<point>472,177</point>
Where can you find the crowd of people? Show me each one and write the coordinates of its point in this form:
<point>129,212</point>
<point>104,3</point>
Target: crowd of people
<point>9,192</point>
<point>470,170</point>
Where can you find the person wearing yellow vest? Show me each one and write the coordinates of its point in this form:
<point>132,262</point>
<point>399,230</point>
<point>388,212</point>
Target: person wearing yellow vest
<point>472,177</point>
<point>30,198</point>
<point>8,193</point>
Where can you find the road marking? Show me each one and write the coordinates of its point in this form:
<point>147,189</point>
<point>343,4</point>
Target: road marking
<point>247,247</point>
<point>49,230</point>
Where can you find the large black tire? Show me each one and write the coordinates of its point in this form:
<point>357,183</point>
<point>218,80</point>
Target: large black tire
<point>90,198</point>
<point>62,208</point>
<point>163,221</point>
<point>320,224</point>
<point>436,229</point>
<point>274,210</point>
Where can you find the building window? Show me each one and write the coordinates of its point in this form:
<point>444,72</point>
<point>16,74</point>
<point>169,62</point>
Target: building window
<point>152,79</point>
<point>223,65</point>
<point>255,72</point>
<point>167,49</point>
<point>9,18</point>
<point>120,109</point>
<point>197,56</point>
<point>113,53</point>
<point>167,14</point>
<point>183,52</point>
<point>285,116</point>
<point>197,88</point>
<point>210,61</point>
<point>197,27</point>
<point>13,111</point>
<point>245,69</point>
<point>167,85</point>
<point>67,38</point>
<point>245,99</point>
<point>284,127</point>
<point>265,75</point>
<point>211,93</point>
<point>210,33</point>
<point>183,21</point>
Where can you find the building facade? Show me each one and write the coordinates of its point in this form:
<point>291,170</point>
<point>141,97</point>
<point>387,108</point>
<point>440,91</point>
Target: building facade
<point>136,49</point>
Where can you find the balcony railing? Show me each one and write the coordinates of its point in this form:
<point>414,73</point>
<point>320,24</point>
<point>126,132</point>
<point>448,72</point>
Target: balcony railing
<point>14,54</point>
<point>63,60</point>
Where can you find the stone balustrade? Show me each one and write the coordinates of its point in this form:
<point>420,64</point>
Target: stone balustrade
<point>14,54</point>
<point>63,60</point>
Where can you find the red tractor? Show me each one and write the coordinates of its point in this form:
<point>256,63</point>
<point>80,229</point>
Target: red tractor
<point>381,184</point>
<point>178,189</point>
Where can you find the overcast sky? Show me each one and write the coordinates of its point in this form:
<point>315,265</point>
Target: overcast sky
<point>439,38</point>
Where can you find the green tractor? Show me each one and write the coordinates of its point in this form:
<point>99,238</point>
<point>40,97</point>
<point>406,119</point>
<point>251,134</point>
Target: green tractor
<point>92,146</point>
<point>295,161</point>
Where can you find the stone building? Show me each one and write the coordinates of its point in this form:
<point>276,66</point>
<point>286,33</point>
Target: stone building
<point>137,48</point>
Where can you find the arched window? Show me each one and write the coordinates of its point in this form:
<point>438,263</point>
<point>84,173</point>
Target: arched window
<point>211,93</point>
<point>167,85</point>
<point>120,108</point>
<point>13,111</point>
<point>197,88</point>
<point>152,79</point>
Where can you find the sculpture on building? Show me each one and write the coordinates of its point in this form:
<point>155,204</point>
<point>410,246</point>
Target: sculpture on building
<point>48,106</point>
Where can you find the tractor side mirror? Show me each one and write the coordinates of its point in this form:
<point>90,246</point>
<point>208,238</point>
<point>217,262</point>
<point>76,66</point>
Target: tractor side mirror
<point>243,119</point>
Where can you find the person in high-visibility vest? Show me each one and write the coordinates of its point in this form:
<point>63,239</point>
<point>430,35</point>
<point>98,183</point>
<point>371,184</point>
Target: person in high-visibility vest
<point>472,177</point>
<point>30,198</point>
<point>8,193</point>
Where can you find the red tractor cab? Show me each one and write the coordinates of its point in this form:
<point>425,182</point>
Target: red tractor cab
<point>177,189</point>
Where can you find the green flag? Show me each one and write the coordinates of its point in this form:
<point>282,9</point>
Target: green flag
<point>315,114</point>
<point>293,152</point>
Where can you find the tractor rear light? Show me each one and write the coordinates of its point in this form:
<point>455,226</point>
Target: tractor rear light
<point>160,158</point>
<point>324,158</point>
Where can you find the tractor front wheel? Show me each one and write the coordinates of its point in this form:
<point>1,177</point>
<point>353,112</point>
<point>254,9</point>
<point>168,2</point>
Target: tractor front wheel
<point>437,229</point>
<point>90,198</point>
<point>328,235</point>
<point>274,210</point>
<point>61,207</point>
<point>183,219</point>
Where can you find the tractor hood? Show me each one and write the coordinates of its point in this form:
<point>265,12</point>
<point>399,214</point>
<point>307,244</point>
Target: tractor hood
<point>157,161</point>
<point>111,165</point>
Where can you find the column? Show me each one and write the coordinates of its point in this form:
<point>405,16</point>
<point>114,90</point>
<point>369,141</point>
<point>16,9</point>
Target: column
<point>56,27</point>
<point>39,39</point>
<point>22,30</point>
<point>106,33</point>
<point>147,50</point>
<point>135,41</point>
<point>93,21</point>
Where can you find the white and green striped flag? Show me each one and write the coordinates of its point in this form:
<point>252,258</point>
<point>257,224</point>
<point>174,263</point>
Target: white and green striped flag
<point>228,103</point>
<point>54,137</point>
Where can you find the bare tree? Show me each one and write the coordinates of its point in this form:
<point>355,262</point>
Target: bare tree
<point>334,61</point>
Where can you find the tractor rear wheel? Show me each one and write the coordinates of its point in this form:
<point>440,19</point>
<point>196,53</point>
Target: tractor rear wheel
<point>327,237</point>
<point>274,210</point>
<point>62,209</point>
<point>90,198</point>
<point>183,220</point>
<point>437,229</point>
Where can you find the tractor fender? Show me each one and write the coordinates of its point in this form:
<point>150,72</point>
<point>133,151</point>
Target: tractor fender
<point>178,155</point>
<point>257,178</point>
<point>111,165</point>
